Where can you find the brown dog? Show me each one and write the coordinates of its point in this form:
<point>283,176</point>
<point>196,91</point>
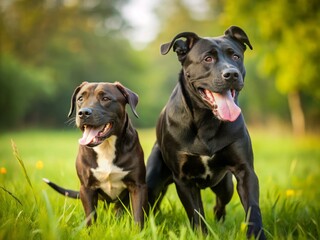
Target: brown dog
<point>110,161</point>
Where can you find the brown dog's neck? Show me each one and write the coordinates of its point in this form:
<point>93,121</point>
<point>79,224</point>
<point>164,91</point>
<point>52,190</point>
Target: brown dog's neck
<point>107,148</point>
<point>128,133</point>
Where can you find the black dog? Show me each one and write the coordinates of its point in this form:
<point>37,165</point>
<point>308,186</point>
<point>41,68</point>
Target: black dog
<point>110,162</point>
<point>201,134</point>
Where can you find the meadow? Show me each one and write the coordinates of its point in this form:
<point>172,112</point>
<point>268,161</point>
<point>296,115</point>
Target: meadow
<point>288,170</point>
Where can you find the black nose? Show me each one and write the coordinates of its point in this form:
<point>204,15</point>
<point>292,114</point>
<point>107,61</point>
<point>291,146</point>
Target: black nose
<point>84,112</point>
<point>230,74</point>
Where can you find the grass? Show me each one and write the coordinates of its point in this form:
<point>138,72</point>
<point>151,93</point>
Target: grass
<point>288,170</point>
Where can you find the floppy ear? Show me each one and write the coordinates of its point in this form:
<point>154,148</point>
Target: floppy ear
<point>239,35</point>
<point>179,46</point>
<point>73,98</point>
<point>131,97</point>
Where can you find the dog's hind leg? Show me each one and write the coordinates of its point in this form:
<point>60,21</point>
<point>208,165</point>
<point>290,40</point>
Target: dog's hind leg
<point>224,192</point>
<point>158,177</point>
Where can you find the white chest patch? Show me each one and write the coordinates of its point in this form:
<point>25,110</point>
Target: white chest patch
<point>204,160</point>
<point>109,175</point>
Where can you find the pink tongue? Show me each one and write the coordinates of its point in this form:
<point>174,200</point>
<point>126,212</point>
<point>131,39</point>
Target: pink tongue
<point>89,134</point>
<point>227,109</point>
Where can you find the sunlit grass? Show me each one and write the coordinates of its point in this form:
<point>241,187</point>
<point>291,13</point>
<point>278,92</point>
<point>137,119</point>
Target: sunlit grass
<point>288,170</point>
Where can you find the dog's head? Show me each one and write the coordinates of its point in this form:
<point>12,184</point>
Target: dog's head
<point>213,69</point>
<point>100,110</point>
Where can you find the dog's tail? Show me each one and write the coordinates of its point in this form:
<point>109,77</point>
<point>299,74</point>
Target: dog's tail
<point>66,192</point>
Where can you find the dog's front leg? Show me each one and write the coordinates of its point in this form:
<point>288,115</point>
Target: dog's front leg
<point>89,199</point>
<point>139,201</point>
<point>190,197</point>
<point>248,190</point>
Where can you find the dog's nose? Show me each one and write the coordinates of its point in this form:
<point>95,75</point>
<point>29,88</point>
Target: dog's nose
<point>84,112</point>
<point>230,74</point>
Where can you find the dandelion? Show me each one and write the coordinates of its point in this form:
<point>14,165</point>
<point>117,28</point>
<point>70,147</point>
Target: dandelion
<point>3,170</point>
<point>244,226</point>
<point>39,165</point>
<point>290,192</point>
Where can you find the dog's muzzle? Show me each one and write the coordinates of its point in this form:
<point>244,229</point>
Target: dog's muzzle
<point>93,135</point>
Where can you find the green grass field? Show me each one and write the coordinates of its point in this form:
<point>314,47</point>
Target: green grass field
<point>288,170</point>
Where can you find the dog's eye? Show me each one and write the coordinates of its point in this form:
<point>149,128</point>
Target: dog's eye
<point>80,99</point>
<point>209,59</point>
<point>105,99</point>
<point>235,57</point>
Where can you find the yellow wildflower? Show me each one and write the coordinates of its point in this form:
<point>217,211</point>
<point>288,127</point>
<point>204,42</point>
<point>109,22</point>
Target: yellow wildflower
<point>3,170</point>
<point>39,165</point>
<point>290,192</point>
<point>244,226</point>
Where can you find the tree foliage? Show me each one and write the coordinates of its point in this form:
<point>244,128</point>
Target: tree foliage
<point>289,31</point>
<point>52,46</point>
<point>49,47</point>
<point>285,59</point>
<point>19,86</point>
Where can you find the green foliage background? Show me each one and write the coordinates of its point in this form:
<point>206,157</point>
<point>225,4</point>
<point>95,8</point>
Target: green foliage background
<point>49,47</point>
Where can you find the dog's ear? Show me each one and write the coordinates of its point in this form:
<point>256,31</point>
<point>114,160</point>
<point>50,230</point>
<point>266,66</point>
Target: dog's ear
<point>179,46</point>
<point>131,97</point>
<point>73,98</point>
<point>239,35</point>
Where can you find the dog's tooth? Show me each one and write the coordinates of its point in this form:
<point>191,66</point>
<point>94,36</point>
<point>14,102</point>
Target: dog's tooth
<point>233,93</point>
<point>106,128</point>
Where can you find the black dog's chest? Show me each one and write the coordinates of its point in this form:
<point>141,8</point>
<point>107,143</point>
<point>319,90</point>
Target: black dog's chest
<point>199,169</point>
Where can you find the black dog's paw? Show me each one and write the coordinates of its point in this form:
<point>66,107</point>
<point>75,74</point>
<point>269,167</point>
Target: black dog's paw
<point>255,224</point>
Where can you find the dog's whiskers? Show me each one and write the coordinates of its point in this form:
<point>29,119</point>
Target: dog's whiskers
<point>71,121</point>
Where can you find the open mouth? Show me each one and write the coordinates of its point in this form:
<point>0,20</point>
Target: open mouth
<point>93,136</point>
<point>223,105</point>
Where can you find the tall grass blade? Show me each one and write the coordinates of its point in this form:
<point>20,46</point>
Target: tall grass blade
<point>17,156</point>
<point>153,227</point>
<point>11,194</point>
<point>215,236</point>
<point>51,223</point>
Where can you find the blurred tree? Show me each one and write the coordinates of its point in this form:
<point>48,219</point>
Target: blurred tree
<point>29,25</point>
<point>291,51</point>
<point>285,36</point>
<point>204,18</point>
<point>19,86</point>
<point>66,42</point>
<point>50,46</point>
